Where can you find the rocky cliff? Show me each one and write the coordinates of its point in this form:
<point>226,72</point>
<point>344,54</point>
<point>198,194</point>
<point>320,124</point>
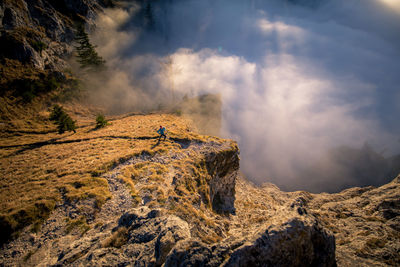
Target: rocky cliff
<point>118,196</point>
<point>179,202</point>
<point>183,202</point>
<point>39,33</point>
<point>365,222</point>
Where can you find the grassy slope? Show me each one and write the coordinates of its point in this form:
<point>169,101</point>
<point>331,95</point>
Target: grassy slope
<point>37,169</point>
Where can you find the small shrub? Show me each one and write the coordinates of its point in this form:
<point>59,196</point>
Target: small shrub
<point>79,223</point>
<point>177,112</point>
<point>118,238</point>
<point>101,121</point>
<point>39,46</point>
<point>62,120</point>
<point>29,88</point>
<point>56,112</point>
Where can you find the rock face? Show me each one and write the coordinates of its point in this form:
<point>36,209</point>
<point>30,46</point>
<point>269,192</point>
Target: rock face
<point>297,242</point>
<point>293,243</point>
<point>188,206</point>
<point>145,236</point>
<point>40,32</point>
<point>365,222</point>
<point>178,232</point>
<point>223,168</point>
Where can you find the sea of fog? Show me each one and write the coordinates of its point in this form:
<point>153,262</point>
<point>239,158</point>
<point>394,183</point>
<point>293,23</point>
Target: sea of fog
<point>310,89</point>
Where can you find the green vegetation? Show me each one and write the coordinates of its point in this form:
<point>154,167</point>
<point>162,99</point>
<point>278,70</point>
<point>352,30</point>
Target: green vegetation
<point>62,120</point>
<point>88,58</point>
<point>72,89</point>
<point>101,121</point>
<point>39,46</point>
<point>29,189</point>
<point>29,88</point>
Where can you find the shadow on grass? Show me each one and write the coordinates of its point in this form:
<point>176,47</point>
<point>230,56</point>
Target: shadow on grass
<point>184,143</point>
<point>55,141</point>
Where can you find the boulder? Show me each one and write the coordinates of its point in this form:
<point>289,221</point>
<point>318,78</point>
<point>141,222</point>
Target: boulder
<point>296,242</point>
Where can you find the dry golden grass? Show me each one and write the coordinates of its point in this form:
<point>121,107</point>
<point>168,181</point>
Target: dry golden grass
<point>117,239</point>
<point>37,170</point>
<point>39,167</point>
<point>79,224</point>
<point>180,185</point>
<point>15,115</point>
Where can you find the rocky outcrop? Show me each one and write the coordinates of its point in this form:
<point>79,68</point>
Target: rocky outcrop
<point>142,235</point>
<point>293,243</point>
<point>223,168</point>
<point>296,242</point>
<point>200,223</point>
<point>40,32</point>
<point>184,202</point>
<point>365,222</point>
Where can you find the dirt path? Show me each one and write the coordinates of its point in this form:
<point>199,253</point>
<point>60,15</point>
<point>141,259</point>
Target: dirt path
<point>121,200</point>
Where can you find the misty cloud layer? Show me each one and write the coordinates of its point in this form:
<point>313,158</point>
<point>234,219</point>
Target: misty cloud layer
<point>303,83</point>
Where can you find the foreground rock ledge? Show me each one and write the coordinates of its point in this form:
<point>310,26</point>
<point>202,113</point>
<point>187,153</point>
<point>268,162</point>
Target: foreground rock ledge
<point>284,234</point>
<point>294,243</point>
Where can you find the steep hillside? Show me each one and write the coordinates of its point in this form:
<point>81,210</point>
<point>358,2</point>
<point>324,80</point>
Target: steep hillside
<point>37,167</point>
<point>38,34</point>
<point>36,49</point>
<point>118,195</point>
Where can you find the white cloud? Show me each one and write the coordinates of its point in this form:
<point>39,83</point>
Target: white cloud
<point>293,83</point>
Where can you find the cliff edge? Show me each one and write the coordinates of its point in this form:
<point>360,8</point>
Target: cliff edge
<point>120,196</point>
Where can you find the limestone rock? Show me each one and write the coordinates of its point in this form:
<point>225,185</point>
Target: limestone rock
<point>245,225</point>
<point>223,168</point>
<point>119,235</point>
<point>26,22</point>
<point>295,242</point>
<point>365,222</point>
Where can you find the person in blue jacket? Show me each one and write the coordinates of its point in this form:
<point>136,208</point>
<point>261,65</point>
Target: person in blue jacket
<point>161,131</point>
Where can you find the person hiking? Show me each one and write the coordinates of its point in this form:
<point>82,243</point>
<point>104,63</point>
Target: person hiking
<point>161,131</point>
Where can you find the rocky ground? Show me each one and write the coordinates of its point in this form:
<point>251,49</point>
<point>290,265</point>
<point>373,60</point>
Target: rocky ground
<point>365,222</point>
<point>253,226</point>
<point>117,197</point>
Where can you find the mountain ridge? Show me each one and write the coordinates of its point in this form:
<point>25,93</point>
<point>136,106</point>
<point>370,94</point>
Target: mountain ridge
<point>119,196</point>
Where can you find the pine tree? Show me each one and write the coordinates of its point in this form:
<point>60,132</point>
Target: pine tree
<point>88,58</point>
<point>62,120</point>
<point>101,121</point>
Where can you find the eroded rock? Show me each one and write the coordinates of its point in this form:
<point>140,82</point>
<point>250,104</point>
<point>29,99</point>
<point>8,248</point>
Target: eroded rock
<point>296,242</point>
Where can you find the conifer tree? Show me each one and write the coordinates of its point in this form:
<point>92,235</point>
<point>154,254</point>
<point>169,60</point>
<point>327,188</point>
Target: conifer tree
<point>101,121</point>
<point>88,58</point>
<point>62,120</point>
